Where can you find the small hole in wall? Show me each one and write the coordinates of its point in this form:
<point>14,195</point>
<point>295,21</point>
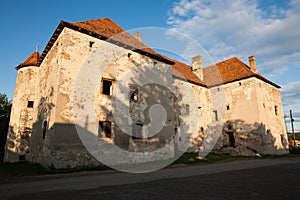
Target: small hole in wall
<point>228,107</point>
<point>92,43</point>
<point>216,115</point>
<point>218,89</point>
<point>240,83</point>
<point>30,104</point>
<point>128,55</point>
<point>264,105</point>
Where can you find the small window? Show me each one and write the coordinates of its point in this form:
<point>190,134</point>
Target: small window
<point>45,123</point>
<point>240,83</point>
<point>92,43</point>
<point>216,115</point>
<point>187,109</point>
<point>104,129</point>
<point>30,104</point>
<point>107,86</point>
<point>133,92</point>
<point>228,107</point>
<point>137,131</point>
<point>276,110</point>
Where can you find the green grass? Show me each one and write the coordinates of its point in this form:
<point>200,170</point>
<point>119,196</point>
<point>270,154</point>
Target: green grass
<point>32,169</point>
<point>52,170</point>
<point>22,169</point>
<point>192,158</point>
<point>294,150</point>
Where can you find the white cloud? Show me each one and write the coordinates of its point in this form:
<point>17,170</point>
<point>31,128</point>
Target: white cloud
<point>240,28</point>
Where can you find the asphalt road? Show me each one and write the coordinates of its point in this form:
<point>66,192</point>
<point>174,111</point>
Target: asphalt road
<point>254,179</point>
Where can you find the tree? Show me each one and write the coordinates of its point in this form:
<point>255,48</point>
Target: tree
<point>5,107</point>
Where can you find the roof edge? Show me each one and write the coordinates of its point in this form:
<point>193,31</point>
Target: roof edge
<point>74,27</point>
<point>246,77</point>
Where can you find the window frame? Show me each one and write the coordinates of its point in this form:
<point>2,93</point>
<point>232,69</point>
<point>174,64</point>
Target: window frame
<point>104,133</point>
<point>103,89</point>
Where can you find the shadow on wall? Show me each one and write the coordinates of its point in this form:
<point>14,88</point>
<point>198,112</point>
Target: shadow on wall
<point>4,124</point>
<point>240,138</point>
<point>59,144</point>
<point>21,141</point>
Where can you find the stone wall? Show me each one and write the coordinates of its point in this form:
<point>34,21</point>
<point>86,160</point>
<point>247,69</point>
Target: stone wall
<point>64,76</point>
<point>272,116</point>
<point>249,118</point>
<point>22,115</point>
<point>67,90</point>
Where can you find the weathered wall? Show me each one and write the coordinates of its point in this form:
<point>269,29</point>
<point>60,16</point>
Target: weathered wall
<point>58,88</point>
<point>270,98</point>
<point>56,76</point>
<point>21,119</point>
<point>62,85</point>
<point>199,114</point>
<point>256,129</point>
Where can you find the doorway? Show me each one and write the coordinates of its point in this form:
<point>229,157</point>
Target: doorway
<point>231,139</point>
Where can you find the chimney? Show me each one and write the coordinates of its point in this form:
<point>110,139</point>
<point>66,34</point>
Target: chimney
<point>252,63</point>
<point>197,66</point>
<point>138,36</point>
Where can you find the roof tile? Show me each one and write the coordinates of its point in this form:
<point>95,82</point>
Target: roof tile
<point>32,60</point>
<point>228,71</point>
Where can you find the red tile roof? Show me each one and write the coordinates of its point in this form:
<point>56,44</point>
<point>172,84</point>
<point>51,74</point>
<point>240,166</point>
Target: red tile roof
<point>107,30</point>
<point>32,60</point>
<point>185,71</point>
<point>111,31</point>
<point>228,71</point>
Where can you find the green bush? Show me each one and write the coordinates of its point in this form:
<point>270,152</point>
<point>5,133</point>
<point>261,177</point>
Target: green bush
<point>294,150</point>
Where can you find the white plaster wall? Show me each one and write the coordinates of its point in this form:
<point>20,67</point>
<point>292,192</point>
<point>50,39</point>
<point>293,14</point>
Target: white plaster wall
<point>250,120</point>
<point>58,79</point>
<point>21,119</point>
<point>269,98</point>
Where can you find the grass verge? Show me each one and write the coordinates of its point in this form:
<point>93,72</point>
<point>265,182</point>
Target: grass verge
<point>32,169</point>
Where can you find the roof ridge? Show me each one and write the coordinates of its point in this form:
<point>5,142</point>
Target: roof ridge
<point>230,70</point>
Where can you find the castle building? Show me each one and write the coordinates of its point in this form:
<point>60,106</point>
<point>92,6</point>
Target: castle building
<point>52,94</point>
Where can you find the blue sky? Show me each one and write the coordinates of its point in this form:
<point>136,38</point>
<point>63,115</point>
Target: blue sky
<point>267,29</point>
